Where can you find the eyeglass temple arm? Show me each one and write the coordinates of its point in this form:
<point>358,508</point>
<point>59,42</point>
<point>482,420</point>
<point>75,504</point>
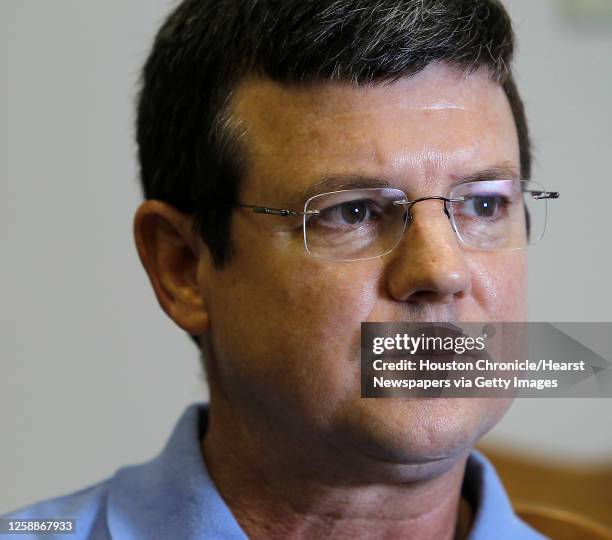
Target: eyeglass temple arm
<point>283,212</point>
<point>543,194</point>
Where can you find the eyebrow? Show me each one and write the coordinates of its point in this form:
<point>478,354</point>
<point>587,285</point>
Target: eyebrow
<point>338,183</point>
<point>502,171</point>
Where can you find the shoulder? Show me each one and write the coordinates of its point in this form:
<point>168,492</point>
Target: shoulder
<point>86,506</point>
<point>169,496</point>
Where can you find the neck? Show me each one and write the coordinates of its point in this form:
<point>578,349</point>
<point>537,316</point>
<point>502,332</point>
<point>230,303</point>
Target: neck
<point>280,485</point>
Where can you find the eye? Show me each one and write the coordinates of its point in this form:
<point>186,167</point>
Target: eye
<point>354,212</point>
<point>483,206</point>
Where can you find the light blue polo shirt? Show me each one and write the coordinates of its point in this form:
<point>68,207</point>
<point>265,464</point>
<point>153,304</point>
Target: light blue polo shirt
<point>173,497</point>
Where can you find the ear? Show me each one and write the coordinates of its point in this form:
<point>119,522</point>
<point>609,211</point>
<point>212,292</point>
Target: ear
<point>171,255</point>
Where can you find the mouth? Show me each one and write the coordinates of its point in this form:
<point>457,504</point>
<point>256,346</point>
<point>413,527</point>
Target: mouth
<point>439,346</point>
<point>425,340</point>
<point>436,334</point>
<point>422,359</point>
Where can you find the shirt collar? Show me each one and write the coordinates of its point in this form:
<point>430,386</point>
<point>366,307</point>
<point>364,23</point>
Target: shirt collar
<point>173,495</point>
<point>494,516</point>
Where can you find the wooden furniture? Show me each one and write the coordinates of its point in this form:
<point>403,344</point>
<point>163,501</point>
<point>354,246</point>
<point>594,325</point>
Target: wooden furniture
<point>564,501</point>
<point>561,524</point>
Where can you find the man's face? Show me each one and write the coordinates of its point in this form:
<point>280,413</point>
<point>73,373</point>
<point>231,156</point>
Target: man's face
<point>285,326</point>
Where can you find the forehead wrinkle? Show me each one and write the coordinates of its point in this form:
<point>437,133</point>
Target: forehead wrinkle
<point>429,164</point>
<point>318,112</point>
<point>410,139</point>
<point>433,161</point>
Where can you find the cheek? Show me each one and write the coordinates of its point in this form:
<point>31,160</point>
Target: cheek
<point>341,291</point>
<point>499,285</point>
<point>334,300</point>
<point>305,310</point>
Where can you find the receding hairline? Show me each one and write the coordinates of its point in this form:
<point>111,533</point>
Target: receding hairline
<point>325,87</point>
<point>232,130</point>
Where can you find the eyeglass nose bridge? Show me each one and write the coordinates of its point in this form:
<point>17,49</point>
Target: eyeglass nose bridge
<point>410,204</point>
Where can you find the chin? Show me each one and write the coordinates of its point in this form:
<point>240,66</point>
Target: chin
<point>426,435</point>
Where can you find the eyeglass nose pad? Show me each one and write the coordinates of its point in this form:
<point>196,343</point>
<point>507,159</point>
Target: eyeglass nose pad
<point>446,210</point>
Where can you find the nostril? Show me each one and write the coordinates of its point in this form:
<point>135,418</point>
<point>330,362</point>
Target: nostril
<point>431,297</point>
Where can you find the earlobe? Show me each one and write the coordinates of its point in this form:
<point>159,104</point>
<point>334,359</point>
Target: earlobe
<point>170,254</point>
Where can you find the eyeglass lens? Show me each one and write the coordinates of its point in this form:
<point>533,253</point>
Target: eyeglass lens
<point>365,223</point>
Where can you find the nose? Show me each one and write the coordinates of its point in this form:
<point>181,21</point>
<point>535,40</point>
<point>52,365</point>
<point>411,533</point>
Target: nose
<point>428,266</point>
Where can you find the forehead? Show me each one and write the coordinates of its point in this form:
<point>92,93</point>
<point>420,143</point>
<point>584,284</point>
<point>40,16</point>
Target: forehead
<point>417,132</point>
